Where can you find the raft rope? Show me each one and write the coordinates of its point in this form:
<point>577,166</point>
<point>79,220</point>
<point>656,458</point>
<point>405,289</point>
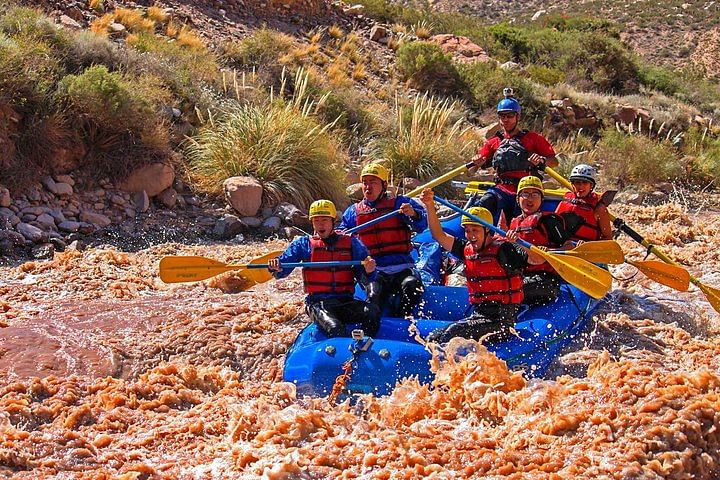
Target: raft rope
<point>341,380</point>
<point>360,343</point>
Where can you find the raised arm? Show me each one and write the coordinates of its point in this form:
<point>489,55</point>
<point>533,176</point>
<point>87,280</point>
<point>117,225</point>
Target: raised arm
<point>445,240</point>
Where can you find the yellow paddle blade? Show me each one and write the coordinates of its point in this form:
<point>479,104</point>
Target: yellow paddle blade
<point>600,251</point>
<point>260,275</point>
<point>175,269</point>
<point>712,294</point>
<point>609,250</point>
<point>589,278</point>
<point>673,276</point>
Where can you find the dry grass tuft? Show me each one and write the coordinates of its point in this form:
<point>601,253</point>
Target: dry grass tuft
<point>423,29</point>
<point>134,21</point>
<point>157,14</point>
<point>100,25</point>
<point>188,38</point>
<point>97,5</point>
<point>336,32</point>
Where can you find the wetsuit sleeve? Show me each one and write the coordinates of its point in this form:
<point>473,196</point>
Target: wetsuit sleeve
<point>360,252</point>
<point>348,220</point>
<point>418,224</point>
<point>487,150</point>
<point>458,248</point>
<point>555,228</point>
<point>536,143</point>
<point>512,257</point>
<point>297,251</point>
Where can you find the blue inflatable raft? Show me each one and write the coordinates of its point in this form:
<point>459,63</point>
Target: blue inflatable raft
<point>314,361</point>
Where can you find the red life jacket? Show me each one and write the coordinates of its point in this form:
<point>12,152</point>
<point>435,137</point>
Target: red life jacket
<point>487,280</point>
<point>332,279</point>
<point>531,230</point>
<point>389,236</point>
<point>585,209</point>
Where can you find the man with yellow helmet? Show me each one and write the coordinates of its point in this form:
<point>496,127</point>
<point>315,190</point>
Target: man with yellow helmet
<point>388,241</point>
<point>541,283</point>
<point>330,301</point>
<point>493,268</point>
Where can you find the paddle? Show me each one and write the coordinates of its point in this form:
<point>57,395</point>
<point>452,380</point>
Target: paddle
<point>175,269</point>
<point>432,183</point>
<point>589,278</point>
<point>672,277</point>
<point>600,251</point>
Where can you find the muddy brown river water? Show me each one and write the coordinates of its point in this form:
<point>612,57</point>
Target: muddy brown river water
<point>107,372</point>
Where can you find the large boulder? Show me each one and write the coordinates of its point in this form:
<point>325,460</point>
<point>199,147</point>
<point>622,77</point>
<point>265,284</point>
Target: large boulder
<point>31,232</point>
<point>244,194</point>
<point>462,49</point>
<point>291,215</point>
<point>153,178</point>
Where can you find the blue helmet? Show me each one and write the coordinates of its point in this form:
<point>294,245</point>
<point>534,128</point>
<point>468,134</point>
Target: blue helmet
<point>508,104</point>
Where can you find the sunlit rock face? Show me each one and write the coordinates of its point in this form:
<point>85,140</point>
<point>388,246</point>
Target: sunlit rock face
<point>107,372</point>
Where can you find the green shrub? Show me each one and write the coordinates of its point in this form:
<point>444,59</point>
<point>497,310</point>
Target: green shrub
<point>28,72</point>
<point>116,115</point>
<point>699,91</point>
<point>188,72</point>
<point>581,23</point>
<point>87,48</point>
<point>704,146</point>
<point>486,82</point>
<point>660,79</point>
<point>603,64</point>
<point>514,39</point>
<point>27,22</point>
<point>290,152</point>
<point>426,142</point>
<point>107,99</point>
<point>636,159</point>
<point>547,76</point>
<point>264,47</point>
<point>425,67</point>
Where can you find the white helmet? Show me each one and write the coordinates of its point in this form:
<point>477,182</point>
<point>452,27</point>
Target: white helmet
<point>584,172</point>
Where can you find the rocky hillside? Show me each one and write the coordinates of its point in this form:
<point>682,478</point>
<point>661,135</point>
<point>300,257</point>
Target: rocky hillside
<point>676,32</point>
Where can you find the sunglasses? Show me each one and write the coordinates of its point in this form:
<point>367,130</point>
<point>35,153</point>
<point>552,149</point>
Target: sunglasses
<point>530,195</point>
<point>506,114</point>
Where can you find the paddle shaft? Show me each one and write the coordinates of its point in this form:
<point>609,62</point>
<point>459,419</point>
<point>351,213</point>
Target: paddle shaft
<point>499,231</point>
<point>622,226</point>
<point>441,179</point>
<point>339,263</point>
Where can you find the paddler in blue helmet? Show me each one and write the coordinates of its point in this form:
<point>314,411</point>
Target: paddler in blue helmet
<point>513,153</point>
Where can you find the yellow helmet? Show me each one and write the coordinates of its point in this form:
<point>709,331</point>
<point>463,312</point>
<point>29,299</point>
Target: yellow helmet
<point>322,208</point>
<point>376,170</point>
<point>481,212</point>
<point>530,181</point>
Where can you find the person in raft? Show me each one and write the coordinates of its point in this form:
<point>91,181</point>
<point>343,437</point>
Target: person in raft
<point>584,208</point>
<point>330,301</point>
<point>493,268</point>
<point>513,153</point>
<point>388,241</point>
<point>541,283</point>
